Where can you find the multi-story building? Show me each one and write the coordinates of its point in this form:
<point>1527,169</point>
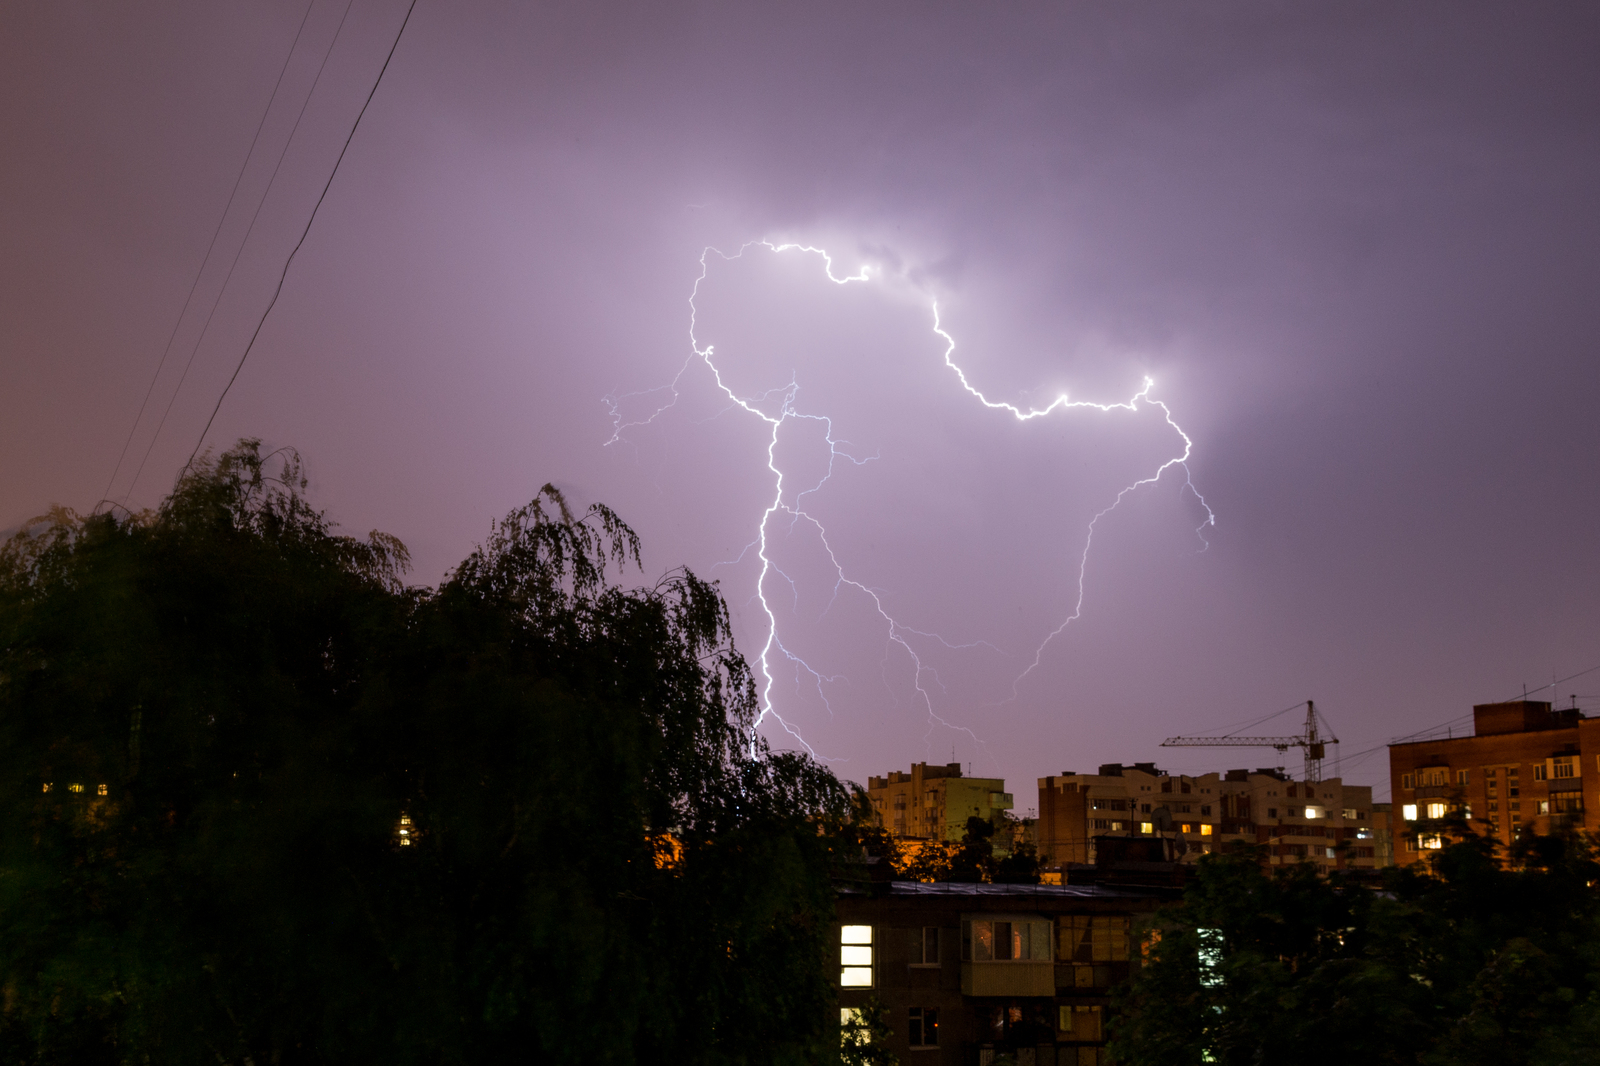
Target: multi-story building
<point>934,802</point>
<point>1326,822</point>
<point>971,972</point>
<point>1520,771</point>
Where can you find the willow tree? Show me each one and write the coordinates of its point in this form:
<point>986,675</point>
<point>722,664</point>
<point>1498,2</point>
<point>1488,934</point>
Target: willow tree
<point>263,802</point>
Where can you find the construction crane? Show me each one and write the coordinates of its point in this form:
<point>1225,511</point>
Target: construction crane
<point>1313,743</point>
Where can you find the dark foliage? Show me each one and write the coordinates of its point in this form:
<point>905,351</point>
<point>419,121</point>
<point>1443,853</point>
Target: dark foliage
<point>605,865</point>
<point>1487,962</point>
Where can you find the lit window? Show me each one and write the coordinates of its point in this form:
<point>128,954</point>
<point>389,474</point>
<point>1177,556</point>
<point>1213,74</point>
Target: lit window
<point>74,788</point>
<point>1210,956</point>
<point>1544,806</point>
<point>1435,810</point>
<point>1144,827</point>
<point>1350,814</point>
<point>100,790</point>
<point>1080,1023</point>
<point>923,1029</point>
<point>1187,828</point>
<point>1432,842</point>
<point>47,786</point>
<point>1205,829</point>
<point>855,956</point>
<point>1408,812</point>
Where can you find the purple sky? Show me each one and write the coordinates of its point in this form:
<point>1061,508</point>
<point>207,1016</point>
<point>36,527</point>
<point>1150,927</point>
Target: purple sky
<point>1355,246</point>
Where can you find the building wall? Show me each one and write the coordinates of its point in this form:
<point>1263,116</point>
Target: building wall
<point>1328,822</point>
<point>934,802</point>
<point>1091,951</point>
<point>1523,769</point>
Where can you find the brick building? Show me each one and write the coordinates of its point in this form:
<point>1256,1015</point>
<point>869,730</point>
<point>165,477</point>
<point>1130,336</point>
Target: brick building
<point>969,972</point>
<point>1521,770</point>
<point>1326,822</point>
<point>934,802</point>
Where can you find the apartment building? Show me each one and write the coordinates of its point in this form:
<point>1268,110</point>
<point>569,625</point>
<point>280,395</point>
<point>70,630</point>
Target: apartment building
<point>1521,770</point>
<point>973,972</point>
<point>1325,822</point>
<point>934,802</point>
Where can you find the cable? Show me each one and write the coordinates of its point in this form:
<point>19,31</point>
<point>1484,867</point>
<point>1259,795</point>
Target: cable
<point>206,259</point>
<point>242,244</point>
<point>278,291</point>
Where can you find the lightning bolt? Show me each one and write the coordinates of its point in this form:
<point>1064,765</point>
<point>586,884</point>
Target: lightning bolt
<point>776,407</point>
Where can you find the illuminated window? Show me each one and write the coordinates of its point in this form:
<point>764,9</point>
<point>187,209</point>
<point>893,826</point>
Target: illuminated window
<point>1210,957</point>
<point>47,786</point>
<point>1205,829</point>
<point>1144,827</point>
<point>1081,1023</point>
<point>1408,812</point>
<point>989,940</point>
<point>1314,812</point>
<point>74,788</point>
<point>404,832</point>
<point>1430,842</point>
<point>922,1030</point>
<point>1350,814</point>
<point>1091,940</point>
<point>855,956</point>
<point>1187,828</point>
<point>100,790</point>
<point>1544,806</point>
<point>1435,810</point>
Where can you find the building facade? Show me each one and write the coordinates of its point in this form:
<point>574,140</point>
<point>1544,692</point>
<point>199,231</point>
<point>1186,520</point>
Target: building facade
<point>970,972</point>
<point>1325,822</point>
<point>1521,770</point>
<point>934,802</point>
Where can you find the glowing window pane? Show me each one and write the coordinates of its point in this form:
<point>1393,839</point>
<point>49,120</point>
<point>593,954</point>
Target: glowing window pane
<point>855,955</point>
<point>1147,827</point>
<point>1205,829</point>
<point>855,934</point>
<point>856,977</point>
<point>1409,812</point>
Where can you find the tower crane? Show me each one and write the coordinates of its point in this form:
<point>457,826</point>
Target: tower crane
<point>1312,742</point>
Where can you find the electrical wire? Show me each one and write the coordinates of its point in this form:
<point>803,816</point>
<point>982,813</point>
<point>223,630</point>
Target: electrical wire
<point>217,302</point>
<point>329,184</point>
<point>206,259</point>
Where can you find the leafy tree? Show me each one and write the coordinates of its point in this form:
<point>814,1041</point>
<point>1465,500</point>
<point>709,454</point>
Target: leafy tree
<point>863,1035</point>
<point>1477,962</point>
<point>325,817</point>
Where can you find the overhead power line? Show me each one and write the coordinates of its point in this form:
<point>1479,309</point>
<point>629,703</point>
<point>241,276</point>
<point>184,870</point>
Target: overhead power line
<point>303,234</point>
<point>206,259</point>
<point>239,253</point>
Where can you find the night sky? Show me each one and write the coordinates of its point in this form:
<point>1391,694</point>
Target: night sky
<point>1355,246</point>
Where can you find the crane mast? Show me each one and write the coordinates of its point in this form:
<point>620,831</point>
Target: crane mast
<point>1309,740</point>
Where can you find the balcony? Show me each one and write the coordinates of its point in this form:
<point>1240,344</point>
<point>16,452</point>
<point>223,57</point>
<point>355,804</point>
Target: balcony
<point>1012,978</point>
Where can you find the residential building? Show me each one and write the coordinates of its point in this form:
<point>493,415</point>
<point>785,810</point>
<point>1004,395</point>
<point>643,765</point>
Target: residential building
<point>970,972</point>
<point>1521,770</point>
<point>934,802</point>
<point>1325,822</point>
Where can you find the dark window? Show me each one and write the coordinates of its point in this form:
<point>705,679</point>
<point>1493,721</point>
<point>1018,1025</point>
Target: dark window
<point>1184,786</point>
<point>925,946</point>
<point>923,1028</point>
<point>1272,812</point>
<point>1205,809</point>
